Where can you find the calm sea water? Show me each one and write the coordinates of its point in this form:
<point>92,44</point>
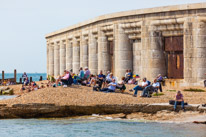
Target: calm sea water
<point>92,128</point>
<point>35,76</point>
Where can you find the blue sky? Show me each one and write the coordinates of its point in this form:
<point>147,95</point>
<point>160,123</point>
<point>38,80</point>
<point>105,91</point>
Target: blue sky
<point>24,24</point>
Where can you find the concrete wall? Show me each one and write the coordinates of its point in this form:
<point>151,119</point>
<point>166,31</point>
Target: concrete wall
<point>138,43</point>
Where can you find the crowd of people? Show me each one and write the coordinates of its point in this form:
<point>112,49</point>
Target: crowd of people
<point>28,86</point>
<point>106,83</point>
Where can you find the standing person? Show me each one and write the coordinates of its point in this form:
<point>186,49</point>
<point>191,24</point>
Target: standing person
<point>112,86</point>
<point>205,82</point>
<point>145,83</point>
<point>24,76</point>
<point>179,100</point>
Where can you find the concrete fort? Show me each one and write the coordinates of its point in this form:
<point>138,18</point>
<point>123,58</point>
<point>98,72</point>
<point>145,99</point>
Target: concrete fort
<point>167,40</point>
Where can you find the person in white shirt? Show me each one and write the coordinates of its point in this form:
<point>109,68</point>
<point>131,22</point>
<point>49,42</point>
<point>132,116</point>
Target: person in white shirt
<point>144,84</point>
<point>152,87</point>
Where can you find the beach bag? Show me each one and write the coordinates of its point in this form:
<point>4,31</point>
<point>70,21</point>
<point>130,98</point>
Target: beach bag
<point>172,102</point>
<point>96,88</point>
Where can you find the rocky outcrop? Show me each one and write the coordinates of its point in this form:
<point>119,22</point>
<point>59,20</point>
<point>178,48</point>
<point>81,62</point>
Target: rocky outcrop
<point>36,110</point>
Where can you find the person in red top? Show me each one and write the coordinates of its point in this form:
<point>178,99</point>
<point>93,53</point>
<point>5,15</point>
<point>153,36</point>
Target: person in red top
<point>179,100</point>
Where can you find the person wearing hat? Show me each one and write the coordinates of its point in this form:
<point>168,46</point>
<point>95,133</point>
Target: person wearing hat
<point>179,100</point>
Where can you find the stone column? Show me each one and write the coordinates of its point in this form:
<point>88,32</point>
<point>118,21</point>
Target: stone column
<point>156,55</point>
<point>47,59</point>
<point>189,68</point>
<point>123,52</point>
<point>76,56</point>
<point>56,59</point>
<point>137,65</point>
<point>200,51</point>
<point>103,53</point>
<point>51,59</point>
<point>145,41</point>
<point>62,57</point>
<point>93,55</point>
<point>84,53</point>
<point>69,51</point>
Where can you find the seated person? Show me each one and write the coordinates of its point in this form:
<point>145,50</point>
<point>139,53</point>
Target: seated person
<point>99,79</point>
<point>112,86</point>
<point>34,86</point>
<point>129,76</point>
<point>160,79</point>
<point>26,82</point>
<point>58,78</point>
<point>152,88</point>
<point>65,79</point>
<point>121,85</point>
<point>179,99</point>
<point>132,81</point>
<point>145,83</point>
<point>81,73</point>
<point>127,71</point>
<point>205,82</point>
<point>108,79</point>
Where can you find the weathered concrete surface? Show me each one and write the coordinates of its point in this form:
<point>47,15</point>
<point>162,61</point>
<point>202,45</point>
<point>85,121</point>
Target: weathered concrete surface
<point>137,39</point>
<point>35,110</point>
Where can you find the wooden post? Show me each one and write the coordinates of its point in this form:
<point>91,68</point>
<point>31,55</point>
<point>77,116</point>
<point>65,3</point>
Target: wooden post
<point>40,78</point>
<point>2,77</point>
<point>20,80</point>
<point>30,79</point>
<point>15,76</point>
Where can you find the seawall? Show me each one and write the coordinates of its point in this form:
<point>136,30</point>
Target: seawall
<point>37,110</point>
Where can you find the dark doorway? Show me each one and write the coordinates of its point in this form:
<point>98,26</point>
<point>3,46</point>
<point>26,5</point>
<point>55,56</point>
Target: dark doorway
<point>111,55</point>
<point>174,57</point>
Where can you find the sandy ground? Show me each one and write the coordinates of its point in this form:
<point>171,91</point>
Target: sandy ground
<point>81,95</point>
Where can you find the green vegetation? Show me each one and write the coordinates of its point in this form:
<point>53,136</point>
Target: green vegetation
<point>171,90</point>
<point>194,90</point>
<point>158,94</point>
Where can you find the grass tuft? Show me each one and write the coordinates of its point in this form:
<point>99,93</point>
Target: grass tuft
<point>194,90</point>
<point>158,94</point>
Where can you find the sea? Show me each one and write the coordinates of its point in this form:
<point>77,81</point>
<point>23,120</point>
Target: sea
<point>97,128</point>
<point>35,76</point>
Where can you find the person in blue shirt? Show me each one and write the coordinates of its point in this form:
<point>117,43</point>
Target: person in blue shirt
<point>81,73</point>
<point>98,80</point>
<point>128,76</point>
<point>111,87</point>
